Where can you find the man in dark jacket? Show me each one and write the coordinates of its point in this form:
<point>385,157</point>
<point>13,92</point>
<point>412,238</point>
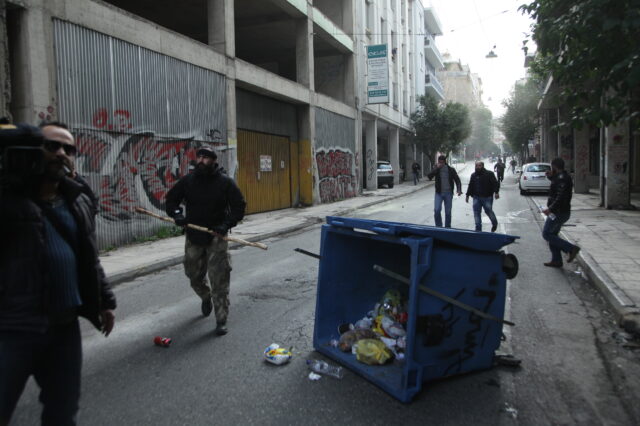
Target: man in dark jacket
<point>499,169</point>
<point>50,274</point>
<point>445,176</point>
<point>558,212</point>
<point>415,168</point>
<point>213,200</point>
<point>483,186</point>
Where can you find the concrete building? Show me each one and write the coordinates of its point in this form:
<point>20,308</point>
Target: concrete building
<point>460,84</point>
<point>277,87</point>
<point>606,160</point>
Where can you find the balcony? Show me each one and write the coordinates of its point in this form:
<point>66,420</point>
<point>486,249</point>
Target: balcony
<point>433,86</point>
<point>432,53</point>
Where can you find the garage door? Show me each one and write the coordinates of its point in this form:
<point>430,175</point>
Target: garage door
<point>264,171</point>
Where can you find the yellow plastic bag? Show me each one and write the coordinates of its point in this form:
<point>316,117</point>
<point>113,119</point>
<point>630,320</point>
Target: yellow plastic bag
<point>372,352</point>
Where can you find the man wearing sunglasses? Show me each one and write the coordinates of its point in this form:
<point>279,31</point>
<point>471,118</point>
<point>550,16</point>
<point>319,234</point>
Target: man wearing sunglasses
<point>50,274</point>
<point>57,135</point>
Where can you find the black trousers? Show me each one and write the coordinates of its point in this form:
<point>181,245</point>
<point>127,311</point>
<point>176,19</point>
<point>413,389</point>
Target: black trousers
<point>54,359</point>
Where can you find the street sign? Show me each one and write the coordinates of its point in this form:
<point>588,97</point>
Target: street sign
<point>377,74</point>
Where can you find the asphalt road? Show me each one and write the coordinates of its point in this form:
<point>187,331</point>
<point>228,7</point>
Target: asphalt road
<point>572,371</point>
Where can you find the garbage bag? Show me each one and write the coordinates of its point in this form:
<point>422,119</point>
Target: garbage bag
<point>372,352</point>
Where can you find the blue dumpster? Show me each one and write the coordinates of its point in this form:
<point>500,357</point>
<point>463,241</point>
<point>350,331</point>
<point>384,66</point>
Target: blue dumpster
<point>443,339</point>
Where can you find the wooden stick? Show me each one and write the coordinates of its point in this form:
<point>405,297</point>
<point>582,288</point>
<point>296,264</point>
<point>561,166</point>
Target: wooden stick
<point>203,229</point>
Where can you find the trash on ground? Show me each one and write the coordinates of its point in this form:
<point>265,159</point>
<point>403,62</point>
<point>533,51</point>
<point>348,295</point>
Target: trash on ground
<point>165,342</point>
<point>507,360</point>
<point>324,368</point>
<point>313,376</point>
<point>277,355</point>
<point>510,410</point>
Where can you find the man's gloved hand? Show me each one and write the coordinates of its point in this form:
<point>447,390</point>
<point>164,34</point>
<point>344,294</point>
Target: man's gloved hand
<point>180,220</point>
<point>220,229</point>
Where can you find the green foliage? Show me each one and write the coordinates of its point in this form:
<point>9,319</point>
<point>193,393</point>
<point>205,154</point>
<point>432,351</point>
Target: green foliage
<point>440,128</point>
<point>480,139</point>
<point>592,50</point>
<point>520,119</point>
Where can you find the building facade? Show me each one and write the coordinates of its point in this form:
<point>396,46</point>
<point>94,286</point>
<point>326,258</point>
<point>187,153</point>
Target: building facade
<point>277,87</point>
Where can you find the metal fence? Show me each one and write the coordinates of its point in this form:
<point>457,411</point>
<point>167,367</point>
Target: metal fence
<point>138,117</point>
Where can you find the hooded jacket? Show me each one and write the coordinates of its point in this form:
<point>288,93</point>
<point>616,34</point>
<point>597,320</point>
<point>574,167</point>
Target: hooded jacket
<point>211,199</point>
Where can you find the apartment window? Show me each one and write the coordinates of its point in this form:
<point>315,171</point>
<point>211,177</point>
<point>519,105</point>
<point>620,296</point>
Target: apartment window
<point>404,102</point>
<point>393,5</point>
<point>421,62</point>
<point>369,19</point>
<point>394,46</point>
<point>383,31</point>
<point>404,57</point>
<point>395,96</point>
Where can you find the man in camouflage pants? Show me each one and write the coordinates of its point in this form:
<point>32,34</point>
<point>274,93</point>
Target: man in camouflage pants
<point>214,201</point>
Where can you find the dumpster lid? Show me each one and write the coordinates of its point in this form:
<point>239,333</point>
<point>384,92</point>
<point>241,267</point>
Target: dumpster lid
<point>482,241</point>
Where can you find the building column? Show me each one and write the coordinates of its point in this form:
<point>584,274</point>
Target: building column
<point>565,141</point>
<point>221,26</point>
<point>304,51</point>
<point>394,152</point>
<point>371,154</point>
<point>616,191</point>
<point>581,160</point>
<point>232,127</point>
<point>309,194</point>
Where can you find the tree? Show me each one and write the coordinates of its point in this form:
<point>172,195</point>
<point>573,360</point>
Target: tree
<point>591,49</point>
<point>440,128</point>
<point>479,141</point>
<point>520,119</point>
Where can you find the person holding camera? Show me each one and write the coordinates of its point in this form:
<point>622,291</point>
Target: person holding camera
<point>50,273</point>
<point>213,200</point>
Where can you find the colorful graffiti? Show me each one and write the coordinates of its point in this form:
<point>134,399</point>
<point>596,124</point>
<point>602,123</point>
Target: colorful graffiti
<point>127,170</point>
<point>336,174</point>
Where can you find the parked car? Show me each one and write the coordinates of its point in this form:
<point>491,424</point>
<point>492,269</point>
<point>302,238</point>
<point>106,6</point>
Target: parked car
<point>534,178</point>
<point>385,174</point>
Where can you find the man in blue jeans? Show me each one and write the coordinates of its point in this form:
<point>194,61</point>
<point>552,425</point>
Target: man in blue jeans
<point>558,212</point>
<point>445,176</point>
<point>483,186</point>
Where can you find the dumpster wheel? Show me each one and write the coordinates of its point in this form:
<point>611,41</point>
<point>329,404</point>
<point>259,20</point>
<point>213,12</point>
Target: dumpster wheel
<point>510,265</point>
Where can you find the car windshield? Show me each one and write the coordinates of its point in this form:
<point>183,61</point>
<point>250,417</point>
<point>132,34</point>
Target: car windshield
<point>538,168</point>
<point>384,166</point>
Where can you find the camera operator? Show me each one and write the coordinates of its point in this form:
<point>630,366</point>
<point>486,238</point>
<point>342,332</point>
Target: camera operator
<point>50,274</point>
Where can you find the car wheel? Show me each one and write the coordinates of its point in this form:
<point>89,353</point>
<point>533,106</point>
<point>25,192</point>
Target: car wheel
<point>523,192</point>
<point>391,185</point>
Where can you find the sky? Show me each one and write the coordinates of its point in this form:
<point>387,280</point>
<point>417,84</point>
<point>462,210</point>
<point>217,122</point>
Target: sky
<point>471,28</point>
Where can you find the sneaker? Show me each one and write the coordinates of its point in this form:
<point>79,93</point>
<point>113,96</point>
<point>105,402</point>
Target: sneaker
<point>207,307</point>
<point>221,329</point>
<point>494,227</point>
<point>573,253</point>
<point>553,264</point>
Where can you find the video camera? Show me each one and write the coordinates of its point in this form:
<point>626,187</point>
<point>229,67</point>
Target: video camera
<point>21,155</point>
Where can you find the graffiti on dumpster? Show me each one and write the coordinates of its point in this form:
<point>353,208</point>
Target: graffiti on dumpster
<point>471,338</point>
<point>337,175</point>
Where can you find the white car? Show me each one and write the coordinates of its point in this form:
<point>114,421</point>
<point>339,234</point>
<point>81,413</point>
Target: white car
<point>534,178</point>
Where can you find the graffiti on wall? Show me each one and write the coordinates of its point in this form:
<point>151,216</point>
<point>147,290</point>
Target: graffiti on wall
<point>130,170</point>
<point>336,174</point>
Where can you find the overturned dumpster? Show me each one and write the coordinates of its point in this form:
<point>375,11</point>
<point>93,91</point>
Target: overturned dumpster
<point>453,282</point>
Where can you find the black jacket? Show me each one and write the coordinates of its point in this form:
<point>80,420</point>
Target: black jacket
<point>487,182</point>
<point>415,167</point>
<point>24,288</point>
<point>453,177</point>
<point>560,193</point>
<point>210,200</point>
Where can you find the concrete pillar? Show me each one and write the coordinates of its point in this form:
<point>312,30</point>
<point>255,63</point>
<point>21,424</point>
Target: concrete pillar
<point>565,141</point>
<point>304,51</point>
<point>309,193</point>
<point>616,166</point>
<point>221,26</point>
<point>371,154</point>
<point>394,152</point>
<point>581,160</point>
<point>232,128</point>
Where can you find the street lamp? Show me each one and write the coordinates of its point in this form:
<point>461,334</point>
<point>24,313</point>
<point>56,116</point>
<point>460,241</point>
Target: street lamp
<point>491,53</point>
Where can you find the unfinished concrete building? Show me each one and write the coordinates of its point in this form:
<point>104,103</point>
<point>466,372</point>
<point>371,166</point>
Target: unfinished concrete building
<point>277,87</point>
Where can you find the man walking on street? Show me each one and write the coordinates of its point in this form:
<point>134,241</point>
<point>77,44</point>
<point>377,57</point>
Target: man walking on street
<point>415,168</point>
<point>499,169</point>
<point>445,176</point>
<point>558,212</point>
<point>513,166</point>
<point>483,186</point>
<point>50,274</point>
<point>213,200</point>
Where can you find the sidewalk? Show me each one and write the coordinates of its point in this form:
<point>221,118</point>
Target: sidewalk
<point>126,263</point>
<point>610,255</point>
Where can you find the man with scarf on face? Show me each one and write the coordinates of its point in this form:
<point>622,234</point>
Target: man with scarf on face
<point>214,201</point>
<point>50,274</point>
